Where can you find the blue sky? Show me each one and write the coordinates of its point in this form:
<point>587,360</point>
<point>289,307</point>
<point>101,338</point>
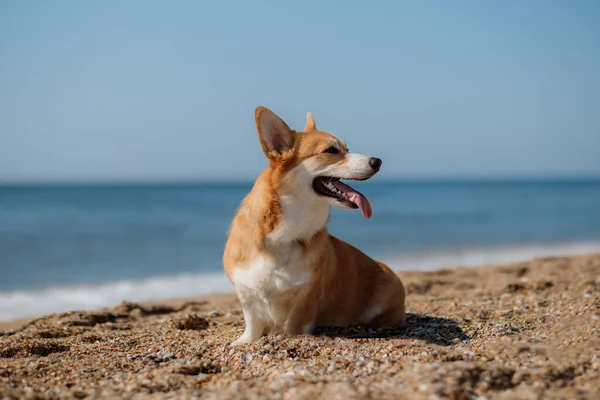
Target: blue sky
<point>156,90</point>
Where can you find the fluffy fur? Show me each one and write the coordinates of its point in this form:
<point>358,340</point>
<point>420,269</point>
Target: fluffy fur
<point>289,273</point>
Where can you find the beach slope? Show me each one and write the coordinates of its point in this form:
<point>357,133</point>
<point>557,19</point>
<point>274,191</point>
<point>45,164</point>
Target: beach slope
<point>527,330</point>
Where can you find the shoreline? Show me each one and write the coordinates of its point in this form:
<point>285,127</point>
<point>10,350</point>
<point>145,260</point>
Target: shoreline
<point>31,303</point>
<point>525,330</point>
<point>15,323</point>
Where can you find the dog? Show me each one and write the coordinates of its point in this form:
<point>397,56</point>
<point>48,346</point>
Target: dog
<point>289,273</point>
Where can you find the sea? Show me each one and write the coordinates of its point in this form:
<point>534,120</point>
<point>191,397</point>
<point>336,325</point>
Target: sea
<point>66,247</point>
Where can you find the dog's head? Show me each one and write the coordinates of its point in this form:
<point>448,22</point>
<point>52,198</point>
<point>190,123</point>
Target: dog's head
<point>310,164</point>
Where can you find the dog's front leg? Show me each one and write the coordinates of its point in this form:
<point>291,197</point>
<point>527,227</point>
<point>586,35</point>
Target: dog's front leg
<point>255,325</point>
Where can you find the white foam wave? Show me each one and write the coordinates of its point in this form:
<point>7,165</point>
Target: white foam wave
<point>470,257</point>
<point>28,303</point>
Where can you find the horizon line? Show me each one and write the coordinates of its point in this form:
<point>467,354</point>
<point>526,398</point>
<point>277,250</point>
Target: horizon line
<point>399,179</point>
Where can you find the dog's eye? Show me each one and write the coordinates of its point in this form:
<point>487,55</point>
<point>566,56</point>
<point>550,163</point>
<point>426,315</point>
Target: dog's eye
<point>332,150</point>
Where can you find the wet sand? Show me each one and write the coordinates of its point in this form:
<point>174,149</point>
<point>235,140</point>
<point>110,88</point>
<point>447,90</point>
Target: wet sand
<point>528,330</point>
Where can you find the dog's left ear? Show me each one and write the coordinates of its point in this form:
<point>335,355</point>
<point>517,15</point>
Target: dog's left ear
<point>310,123</point>
<point>276,137</point>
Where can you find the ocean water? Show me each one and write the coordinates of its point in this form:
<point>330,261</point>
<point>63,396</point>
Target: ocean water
<point>83,247</point>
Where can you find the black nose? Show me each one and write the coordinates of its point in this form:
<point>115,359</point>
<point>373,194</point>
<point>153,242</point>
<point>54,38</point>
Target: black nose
<point>375,163</point>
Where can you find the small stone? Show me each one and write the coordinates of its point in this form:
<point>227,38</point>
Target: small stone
<point>277,385</point>
<point>247,358</point>
<point>166,356</point>
<point>332,367</point>
<point>539,385</point>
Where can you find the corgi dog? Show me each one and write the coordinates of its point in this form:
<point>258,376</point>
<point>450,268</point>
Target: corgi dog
<point>289,273</point>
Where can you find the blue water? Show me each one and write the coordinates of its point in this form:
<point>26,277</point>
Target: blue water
<point>88,245</point>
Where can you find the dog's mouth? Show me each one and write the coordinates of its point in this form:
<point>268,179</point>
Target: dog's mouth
<point>349,197</point>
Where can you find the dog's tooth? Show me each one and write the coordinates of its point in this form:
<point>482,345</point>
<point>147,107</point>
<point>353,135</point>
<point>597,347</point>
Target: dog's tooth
<point>352,198</point>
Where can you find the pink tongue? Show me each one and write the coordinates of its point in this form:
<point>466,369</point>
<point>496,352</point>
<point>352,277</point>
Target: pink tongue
<point>360,200</point>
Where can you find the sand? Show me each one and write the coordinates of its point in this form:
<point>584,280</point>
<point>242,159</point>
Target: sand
<point>529,330</point>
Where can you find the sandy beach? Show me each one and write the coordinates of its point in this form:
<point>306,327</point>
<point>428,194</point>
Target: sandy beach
<point>528,330</point>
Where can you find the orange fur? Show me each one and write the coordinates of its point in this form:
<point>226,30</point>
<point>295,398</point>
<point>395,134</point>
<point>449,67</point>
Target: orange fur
<point>288,283</point>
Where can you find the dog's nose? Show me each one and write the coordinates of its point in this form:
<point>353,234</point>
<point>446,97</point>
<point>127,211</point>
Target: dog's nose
<point>375,163</point>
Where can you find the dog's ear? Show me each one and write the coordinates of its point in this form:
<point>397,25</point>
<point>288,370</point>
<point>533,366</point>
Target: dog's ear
<point>276,138</point>
<point>310,123</point>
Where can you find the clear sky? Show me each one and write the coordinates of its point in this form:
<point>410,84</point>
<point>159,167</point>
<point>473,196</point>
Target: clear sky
<point>159,90</point>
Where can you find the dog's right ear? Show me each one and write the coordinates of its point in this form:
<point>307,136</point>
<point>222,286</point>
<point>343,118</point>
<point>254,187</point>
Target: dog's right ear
<point>276,138</point>
<point>310,123</point>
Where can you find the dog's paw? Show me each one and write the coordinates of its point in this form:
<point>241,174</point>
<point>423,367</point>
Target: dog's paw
<point>244,339</point>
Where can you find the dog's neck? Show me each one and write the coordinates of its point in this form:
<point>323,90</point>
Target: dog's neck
<point>287,212</point>
<point>302,217</point>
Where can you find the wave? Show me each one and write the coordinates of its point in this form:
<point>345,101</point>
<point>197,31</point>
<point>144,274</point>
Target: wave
<point>471,257</point>
<point>29,303</point>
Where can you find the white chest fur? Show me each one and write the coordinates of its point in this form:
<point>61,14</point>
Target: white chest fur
<point>303,215</point>
<point>268,277</point>
<point>268,286</point>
